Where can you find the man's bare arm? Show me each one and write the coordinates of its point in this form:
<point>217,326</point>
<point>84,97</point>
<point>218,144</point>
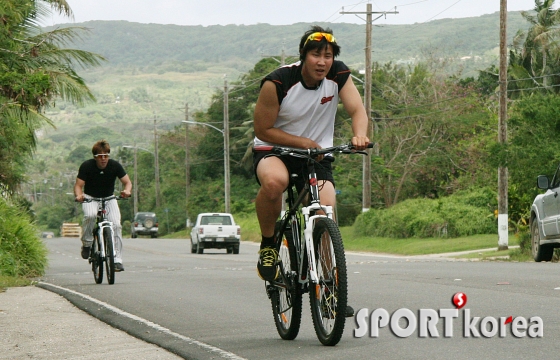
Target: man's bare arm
<point>352,102</point>
<point>125,180</point>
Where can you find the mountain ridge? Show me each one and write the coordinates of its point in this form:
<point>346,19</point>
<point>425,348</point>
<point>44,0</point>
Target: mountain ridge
<point>140,45</point>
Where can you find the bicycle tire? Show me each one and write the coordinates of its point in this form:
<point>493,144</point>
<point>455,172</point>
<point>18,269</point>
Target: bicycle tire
<point>329,297</point>
<point>109,255</point>
<point>96,261</point>
<point>287,301</point>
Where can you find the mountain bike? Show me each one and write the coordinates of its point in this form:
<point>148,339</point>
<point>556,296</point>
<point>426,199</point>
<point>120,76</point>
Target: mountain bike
<point>103,246</point>
<point>311,255</point>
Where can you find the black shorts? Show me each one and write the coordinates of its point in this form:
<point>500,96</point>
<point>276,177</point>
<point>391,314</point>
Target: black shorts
<point>297,166</point>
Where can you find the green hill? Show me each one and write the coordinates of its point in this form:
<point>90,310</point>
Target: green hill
<point>195,48</point>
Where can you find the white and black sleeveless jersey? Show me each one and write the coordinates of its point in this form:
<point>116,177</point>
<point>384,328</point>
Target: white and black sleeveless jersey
<point>307,112</point>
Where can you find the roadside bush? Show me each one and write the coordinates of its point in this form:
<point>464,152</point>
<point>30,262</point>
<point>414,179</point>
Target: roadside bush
<point>461,214</point>
<point>126,225</point>
<point>524,241</point>
<point>22,253</point>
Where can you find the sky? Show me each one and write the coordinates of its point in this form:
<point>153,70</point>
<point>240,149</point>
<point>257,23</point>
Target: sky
<point>279,12</point>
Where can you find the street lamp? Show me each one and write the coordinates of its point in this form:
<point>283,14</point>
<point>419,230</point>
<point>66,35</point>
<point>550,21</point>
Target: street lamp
<point>225,134</point>
<point>136,176</point>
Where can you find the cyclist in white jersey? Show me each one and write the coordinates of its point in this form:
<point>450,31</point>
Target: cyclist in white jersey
<point>296,108</point>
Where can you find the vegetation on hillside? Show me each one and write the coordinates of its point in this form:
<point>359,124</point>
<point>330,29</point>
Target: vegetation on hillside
<point>153,48</point>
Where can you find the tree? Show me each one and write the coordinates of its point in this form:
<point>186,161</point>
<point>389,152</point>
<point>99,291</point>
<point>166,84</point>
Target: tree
<point>532,150</point>
<point>427,124</point>
<point>535,54</point>
<point>36,68</point>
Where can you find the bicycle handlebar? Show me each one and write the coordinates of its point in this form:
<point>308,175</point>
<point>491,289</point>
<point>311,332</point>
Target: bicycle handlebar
<point>313,152</point>
<point>87,200</point>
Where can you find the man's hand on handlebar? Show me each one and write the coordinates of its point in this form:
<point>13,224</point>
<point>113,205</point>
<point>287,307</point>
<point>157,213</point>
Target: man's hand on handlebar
<point>360,142</point>
<point>310,144</point>
<point>125,194</point>
<point>80,198</point>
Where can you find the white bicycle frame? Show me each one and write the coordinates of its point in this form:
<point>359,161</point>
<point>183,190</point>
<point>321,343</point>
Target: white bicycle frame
<point>308,219</point>
<point>102,225</point>
<point>308,235</point>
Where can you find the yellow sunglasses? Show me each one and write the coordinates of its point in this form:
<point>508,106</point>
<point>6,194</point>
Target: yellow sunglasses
<point>318,36</point>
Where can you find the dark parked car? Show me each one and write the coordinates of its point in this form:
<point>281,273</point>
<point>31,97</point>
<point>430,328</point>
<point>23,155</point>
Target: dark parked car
<point>144,223</point>
<point>545,218</point>
<point>47,234</point>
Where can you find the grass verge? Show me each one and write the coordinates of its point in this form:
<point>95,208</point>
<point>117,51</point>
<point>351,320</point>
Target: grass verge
<point>410,246</point>
<point>417,246</point>
<point>9,281</point>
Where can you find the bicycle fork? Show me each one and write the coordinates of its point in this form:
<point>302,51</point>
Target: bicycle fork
<point>308,236</point>
<point>102,225</point>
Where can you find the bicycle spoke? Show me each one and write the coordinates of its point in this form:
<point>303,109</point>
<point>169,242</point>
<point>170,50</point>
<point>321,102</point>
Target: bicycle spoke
<point>96,263</point>
<point>328,298</point>
<point>285,294</point>
<point>109,255</point>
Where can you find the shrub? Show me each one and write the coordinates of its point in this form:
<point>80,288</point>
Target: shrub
<point>22,253</point>
<point>461,214</point>
<point>126,225</point>
<point>524,241</point>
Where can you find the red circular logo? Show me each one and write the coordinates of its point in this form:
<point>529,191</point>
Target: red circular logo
<point>459,300</point>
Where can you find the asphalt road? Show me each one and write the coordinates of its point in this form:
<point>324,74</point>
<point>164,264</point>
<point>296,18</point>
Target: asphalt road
<point>214,305</point>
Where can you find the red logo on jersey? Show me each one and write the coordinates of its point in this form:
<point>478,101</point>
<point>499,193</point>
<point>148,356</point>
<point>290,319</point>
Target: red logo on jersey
<point>326,99</point>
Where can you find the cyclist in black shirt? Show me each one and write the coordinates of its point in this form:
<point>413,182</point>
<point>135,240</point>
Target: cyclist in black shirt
<point>96,178</point>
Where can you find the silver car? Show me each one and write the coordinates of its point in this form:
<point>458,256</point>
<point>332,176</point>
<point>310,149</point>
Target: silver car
<point>144,223</point>
<point>545,218</point>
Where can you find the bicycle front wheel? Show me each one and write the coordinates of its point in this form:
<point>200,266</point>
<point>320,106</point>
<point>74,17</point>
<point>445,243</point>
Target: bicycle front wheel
<point>109,256</point>
<point>96,261</point>
<point>329,297</point>
<point>286,296</point>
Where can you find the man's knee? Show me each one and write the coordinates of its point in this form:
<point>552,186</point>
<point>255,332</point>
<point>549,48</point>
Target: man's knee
<point>270,194</point>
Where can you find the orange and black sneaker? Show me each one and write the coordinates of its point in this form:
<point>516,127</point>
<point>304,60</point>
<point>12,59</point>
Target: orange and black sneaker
<point>266,267</point>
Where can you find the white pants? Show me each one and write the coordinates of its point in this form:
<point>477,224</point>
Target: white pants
<point>113,215</point>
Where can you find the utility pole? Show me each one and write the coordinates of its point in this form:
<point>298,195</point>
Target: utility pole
<point>187,165</point>
<point>502,134</point>
<point>282,55</point>
<point>282,63</point>
<point>156,161</point>
<point>225,133</point>
<point>226,146</point>
<point>366,174</point>
<point>135,180</point>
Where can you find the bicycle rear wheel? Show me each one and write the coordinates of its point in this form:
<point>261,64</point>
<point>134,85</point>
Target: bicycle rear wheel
<point>109,255</point>
<point>329,297</point>
<point>286,297</point>
<point>96,261</point>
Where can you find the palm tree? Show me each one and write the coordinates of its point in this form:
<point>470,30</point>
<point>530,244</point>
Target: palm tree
<point>36,68</point>
<point>534,48</point>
